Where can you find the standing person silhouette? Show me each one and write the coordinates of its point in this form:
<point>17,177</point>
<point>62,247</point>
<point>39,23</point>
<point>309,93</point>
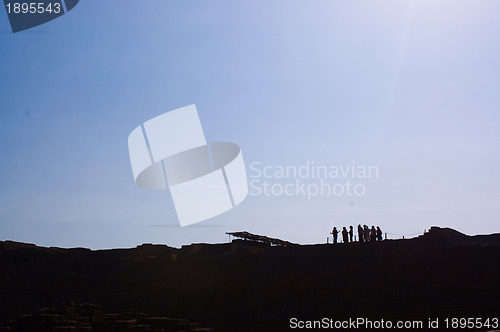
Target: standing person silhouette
<point>335,233</point>
<point>379,234</point>
<point>345,237</point>
<point>373,234</point>
<point>360,233</point>
<point>351,233</point>
<point>367,233</point>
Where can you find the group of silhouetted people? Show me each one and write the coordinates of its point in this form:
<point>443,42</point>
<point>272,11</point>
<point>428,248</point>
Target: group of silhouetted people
<point>365,234</point>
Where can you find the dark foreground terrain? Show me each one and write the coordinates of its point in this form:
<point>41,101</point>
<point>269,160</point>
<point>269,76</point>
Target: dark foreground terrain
<point>248,286</point>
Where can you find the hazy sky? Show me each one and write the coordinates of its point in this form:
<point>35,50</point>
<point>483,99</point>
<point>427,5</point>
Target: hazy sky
<point>409,86</point>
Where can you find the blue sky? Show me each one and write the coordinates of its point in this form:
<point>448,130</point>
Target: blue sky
<point>409,86</point>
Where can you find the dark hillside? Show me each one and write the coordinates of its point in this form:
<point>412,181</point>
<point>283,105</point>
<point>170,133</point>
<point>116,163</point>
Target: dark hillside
<point>247,285</point>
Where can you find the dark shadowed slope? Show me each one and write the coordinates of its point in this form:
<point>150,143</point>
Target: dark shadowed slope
<point>243,284</point>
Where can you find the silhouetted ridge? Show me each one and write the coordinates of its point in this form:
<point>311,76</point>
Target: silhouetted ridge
<point>444,233</point>
<point>249,285</point>
<point>451,237</point>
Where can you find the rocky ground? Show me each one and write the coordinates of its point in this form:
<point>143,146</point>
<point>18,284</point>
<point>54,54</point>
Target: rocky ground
<point>247,286</point>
